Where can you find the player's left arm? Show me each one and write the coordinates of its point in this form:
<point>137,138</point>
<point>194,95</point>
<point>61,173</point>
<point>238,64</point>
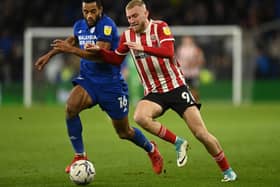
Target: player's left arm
<point>63,46</point>
<point>110,57</point>
<point>166,43</point>
<point>165,50</point>
<point>105,33</point>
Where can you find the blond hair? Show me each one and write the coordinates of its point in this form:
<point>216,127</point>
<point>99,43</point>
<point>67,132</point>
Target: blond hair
<point>134,3</point>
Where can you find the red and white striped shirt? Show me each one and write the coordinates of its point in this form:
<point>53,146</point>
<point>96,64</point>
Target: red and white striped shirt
<point>157,74</point>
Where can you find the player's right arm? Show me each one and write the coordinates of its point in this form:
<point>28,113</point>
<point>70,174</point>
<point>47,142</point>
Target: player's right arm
<point>43,60</point>
<point>110,57</point>
<point>65,47</point>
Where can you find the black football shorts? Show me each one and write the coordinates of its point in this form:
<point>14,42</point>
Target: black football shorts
<point>178,100</point>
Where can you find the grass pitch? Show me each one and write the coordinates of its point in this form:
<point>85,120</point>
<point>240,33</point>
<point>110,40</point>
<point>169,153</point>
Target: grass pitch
<point>35,149</point>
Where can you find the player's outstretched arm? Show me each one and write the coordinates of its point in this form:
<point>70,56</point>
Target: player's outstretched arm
<point>107,56</point>
<point>65,47</point>
<point>43,60</point>
<point>94,49</point>
<point>165,50</point>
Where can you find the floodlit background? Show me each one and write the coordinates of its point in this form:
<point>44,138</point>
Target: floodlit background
<point>258,21</point>
<point>33,141</point>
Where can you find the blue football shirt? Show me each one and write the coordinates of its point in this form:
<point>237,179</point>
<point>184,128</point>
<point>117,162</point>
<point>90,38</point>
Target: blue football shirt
<point>104,30</point>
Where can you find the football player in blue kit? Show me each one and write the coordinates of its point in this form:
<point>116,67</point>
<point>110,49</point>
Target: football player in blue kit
<point>98,83</point>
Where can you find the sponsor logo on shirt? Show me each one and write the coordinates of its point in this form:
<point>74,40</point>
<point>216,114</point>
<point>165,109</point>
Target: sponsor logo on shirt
<point>107,30</point>
<point>139,54</point>
<point>83,39</point>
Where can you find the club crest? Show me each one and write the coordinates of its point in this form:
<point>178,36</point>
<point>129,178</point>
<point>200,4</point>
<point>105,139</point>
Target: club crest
<point>166,31</point>
<point>107,30</point>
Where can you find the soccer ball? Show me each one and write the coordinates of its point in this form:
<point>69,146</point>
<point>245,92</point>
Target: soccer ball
<point>82,172</point>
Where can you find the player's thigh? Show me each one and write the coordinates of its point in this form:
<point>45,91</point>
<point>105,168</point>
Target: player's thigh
<point>194,120</point>
<point>147,109</point>
<point>78,99</point>
<point>113,99</point>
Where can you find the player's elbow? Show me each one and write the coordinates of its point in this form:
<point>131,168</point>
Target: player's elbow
<point>170,52</point>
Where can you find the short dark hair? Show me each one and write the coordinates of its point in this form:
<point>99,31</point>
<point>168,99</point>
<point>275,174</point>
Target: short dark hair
<point>99,3</point>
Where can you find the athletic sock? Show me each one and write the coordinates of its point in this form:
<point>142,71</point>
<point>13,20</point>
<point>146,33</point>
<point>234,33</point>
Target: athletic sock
<point>140,140</point>
<point>74,128</point>
<point>221,160</point>
<point>166,135</point>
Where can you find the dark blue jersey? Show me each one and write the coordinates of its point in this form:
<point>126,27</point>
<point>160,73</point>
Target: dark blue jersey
<point>104,30</point>
<point>103,82</point>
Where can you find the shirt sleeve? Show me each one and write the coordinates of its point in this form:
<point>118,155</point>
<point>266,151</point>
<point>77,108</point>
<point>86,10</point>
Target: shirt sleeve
<point>106,31</point>
<point>164,32</point>
<point>166,40</point>
<point>122,49</point>
<point>111,57</point>
<point>166,50</point>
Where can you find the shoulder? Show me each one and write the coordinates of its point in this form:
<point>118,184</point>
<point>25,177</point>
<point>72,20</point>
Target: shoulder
<point>107,25</point>
<point>162,27</point>
<point>106,20</point>
<point>79,26</point>
<point>80,23</point>
<point>160,23</point>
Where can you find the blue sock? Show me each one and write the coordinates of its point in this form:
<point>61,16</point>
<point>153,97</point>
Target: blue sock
<point>140,140</point>
<point>74,127</point>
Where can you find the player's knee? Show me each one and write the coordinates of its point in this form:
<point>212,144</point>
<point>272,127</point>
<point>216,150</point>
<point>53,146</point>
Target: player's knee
<point>137,118</point>
<point>141,120</point>
<point>71,111</point>
<point>202,135</point>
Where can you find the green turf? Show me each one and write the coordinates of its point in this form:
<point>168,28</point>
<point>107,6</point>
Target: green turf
<point>35,149</point>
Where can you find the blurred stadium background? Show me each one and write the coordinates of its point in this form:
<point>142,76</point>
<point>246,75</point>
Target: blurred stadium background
<point>34,145</point>
<point>258,20</point>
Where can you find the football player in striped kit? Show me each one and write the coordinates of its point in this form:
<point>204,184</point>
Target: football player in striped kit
<point>151,44</point>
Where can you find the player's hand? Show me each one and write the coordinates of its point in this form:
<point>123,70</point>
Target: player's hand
<point>135,46</point>
<point>91,47</point>
<point>41,62</point>
<point>62,46</point>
